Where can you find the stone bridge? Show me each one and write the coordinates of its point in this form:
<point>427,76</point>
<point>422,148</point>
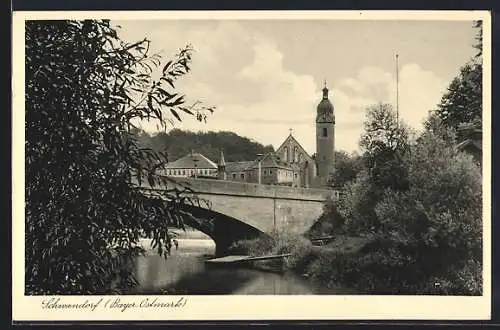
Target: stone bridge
<point>245,210</point>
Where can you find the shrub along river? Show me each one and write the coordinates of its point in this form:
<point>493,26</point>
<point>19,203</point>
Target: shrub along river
<point>185,272</point>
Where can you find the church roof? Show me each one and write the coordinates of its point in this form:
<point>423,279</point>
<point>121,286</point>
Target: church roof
<point>190,160</point>
<point>291,137</point>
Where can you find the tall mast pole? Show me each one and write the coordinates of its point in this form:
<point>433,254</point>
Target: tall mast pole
<point>397,88</point>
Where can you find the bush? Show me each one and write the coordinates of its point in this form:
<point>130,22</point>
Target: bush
<point>330,223</point>
<point>428,233</point>
<point>439,219</point>
<point>254,247</point>
<point>356,205</point>
<point>278,242</point>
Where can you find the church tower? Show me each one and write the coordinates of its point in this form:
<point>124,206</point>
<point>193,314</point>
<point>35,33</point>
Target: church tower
<point>325,138</point>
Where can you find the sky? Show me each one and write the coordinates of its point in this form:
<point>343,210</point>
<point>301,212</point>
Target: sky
<point>265,76</point>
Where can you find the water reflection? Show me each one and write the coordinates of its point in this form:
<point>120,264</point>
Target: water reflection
<point>184,272</point>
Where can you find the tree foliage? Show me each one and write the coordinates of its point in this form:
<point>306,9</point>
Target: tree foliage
<point>437,222</point>
<point>462,102</point>
<point>385,144</point>
<point>479,38</point>
<point>347,167</point>
<point>84,209</point>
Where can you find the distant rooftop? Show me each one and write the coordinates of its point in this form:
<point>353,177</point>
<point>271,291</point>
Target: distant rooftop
<point>190,160</point>
<point>272,160</point>
<point>238,166</point>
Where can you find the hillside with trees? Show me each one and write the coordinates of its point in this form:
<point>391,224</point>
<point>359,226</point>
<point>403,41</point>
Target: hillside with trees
<point>177,143</point>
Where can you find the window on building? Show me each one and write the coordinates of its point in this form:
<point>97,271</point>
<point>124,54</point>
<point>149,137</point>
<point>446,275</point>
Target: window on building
<point>234,175</point>
<point>270,172</point>
<point>325,132</point>
<point>242,176</point>
<point>285,154</point>
<point>183,172</point>
<point>296,154</point>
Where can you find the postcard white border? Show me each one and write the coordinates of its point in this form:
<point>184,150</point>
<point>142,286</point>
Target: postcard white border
<point>29,308</point>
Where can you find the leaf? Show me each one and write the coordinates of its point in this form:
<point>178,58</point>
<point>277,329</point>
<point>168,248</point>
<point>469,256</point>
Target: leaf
<point>165,68</point>
<point>169,81</point>
<point>176,102</point>
<point>176,115</point>
<point>186,110</point>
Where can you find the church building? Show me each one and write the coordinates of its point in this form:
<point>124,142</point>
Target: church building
<point>290,164</point>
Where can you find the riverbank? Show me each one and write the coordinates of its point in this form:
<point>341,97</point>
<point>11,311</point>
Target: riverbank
<point>370,264</point>
<point>352,262</point>
<point>184,272</point>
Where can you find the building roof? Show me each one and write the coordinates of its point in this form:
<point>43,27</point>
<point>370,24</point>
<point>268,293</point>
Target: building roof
<point>470,142</point>
<point>238,166</point>
<point>190,160</point>
<point>271,160</point>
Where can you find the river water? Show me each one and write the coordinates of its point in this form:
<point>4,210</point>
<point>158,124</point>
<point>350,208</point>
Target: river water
<point>184,272</point>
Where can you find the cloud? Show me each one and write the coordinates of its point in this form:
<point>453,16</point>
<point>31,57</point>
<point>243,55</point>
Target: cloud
<point>353,85</point>
<point>419,91</point>
<point>243,73</point>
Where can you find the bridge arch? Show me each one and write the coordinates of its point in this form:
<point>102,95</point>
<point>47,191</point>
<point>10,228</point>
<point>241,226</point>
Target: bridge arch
<point>224,230</point>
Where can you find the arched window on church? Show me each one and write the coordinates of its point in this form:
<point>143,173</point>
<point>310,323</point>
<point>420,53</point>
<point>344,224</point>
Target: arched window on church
<point>285,156</point>
<point>301,157</point>
<point>296,155</point>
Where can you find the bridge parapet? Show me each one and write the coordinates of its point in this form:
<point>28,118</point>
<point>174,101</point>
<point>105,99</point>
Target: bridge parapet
<point>219,187</point>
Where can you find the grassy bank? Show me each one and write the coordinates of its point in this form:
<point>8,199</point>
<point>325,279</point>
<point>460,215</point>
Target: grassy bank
<point>368,264</point>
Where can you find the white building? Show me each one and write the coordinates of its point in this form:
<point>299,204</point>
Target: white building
<point>191,165</point>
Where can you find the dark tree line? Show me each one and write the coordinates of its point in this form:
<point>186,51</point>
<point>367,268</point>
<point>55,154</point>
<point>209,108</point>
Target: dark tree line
<point>178,143</point>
